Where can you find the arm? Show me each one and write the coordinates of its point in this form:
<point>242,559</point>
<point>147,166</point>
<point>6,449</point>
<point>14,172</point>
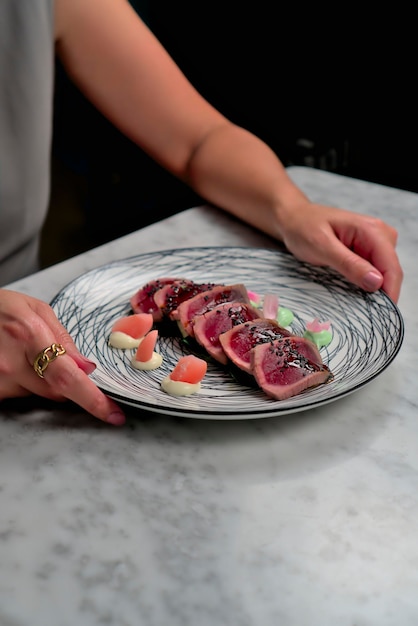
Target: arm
<point>121,67</point>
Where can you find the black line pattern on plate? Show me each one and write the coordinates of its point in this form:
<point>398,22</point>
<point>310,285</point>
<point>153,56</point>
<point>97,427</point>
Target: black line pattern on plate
<point>367,328</point>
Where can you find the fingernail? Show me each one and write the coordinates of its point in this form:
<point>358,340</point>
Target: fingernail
<point>88,360</point>
<point>116,418</point>
<point>85,364</point>
<point>90,368</point>
<point>372,281</point>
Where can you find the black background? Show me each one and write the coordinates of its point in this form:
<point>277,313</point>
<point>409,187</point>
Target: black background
<point>329,91</point>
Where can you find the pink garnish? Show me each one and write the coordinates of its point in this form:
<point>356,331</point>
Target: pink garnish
<point>146,347</point>
<point>189,369</point>
<point>270,306</point>
<point>316,326</point>
<point>254,297</point>
<point>136,325</point>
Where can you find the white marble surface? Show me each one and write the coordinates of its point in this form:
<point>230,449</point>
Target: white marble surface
<point>304,519</point>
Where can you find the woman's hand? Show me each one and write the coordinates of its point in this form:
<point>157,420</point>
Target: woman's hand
<point>360,247</point>
<point>27,327</point>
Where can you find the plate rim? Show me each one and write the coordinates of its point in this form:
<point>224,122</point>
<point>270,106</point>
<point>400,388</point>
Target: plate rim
<point>233,414</point>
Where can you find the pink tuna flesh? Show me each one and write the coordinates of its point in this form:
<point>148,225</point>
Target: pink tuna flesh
<point>169,297</point>
<point>238,342</point>
<point>208,300</point>
<point>143,300</point>
<point>288,366</point>
<point>209,326</point>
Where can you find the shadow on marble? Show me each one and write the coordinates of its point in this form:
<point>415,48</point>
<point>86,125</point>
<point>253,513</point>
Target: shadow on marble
<point>276,449</point>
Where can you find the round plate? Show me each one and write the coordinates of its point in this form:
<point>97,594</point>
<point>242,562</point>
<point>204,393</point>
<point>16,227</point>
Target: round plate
<point>367,328</point>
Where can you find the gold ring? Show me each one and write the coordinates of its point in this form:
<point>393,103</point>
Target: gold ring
<point>45,357</point>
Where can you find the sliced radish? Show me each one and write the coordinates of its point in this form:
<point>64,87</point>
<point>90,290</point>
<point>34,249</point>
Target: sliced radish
<point>136,325</point>
<point>189,369</point>
<point>316,326</point>
<point>146,347</point>
<point>270,306</point>
<point>253,296</point>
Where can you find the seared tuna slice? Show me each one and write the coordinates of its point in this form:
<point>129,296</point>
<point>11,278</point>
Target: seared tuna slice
<point>169,297</point>
<point>143,300</point>
<point>210,325</point>
<point>238,342</point>
<point>288,366</point>
<point>207,300</point>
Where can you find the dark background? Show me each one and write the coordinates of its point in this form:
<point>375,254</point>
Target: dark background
<point>321,90</point>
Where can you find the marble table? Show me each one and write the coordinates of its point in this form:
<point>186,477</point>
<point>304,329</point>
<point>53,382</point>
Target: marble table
<point>305,519</point>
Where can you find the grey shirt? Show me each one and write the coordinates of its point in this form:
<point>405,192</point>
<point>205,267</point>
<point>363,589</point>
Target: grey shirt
<point>26,97</point>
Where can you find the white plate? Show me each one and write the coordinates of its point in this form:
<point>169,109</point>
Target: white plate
<point>367,328</point>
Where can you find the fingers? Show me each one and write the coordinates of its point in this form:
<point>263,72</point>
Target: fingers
<point>29,326</point>
<point>386,275</point>
<point>369,255</point>
<point>73,384</point>
<point>64,379</point>
<point>359,247</point>
<point>391,270</point>
<point>67,377</point>
<point>354,268</point>
<point>63,337</point>
<point>392,282</point>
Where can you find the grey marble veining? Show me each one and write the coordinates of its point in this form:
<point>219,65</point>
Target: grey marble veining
<point>304,519</point>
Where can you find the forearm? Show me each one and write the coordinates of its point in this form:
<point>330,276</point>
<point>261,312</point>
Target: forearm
<point>134,82</point>
<point>236,171</point>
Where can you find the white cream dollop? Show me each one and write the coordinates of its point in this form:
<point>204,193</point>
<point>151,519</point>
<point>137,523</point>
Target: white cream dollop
<point>179,388</point>
<point>154,362</point>
<point>122,340</point>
